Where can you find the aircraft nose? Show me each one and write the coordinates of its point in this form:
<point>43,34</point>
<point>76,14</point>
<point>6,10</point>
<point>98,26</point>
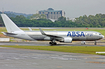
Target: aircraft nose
<point>102,36</point>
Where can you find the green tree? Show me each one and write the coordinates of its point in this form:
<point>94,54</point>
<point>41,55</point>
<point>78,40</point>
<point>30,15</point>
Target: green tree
<point>62,19</point>
<point>38,16</point>
<point>1,22</point>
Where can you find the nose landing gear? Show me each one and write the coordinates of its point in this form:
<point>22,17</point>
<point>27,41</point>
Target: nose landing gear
<point>95,43</point>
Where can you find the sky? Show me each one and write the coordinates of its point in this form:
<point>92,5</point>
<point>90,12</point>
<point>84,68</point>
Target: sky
<point>72,8</point>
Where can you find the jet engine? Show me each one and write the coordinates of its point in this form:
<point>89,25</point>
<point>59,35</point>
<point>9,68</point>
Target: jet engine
<point>66,40</point>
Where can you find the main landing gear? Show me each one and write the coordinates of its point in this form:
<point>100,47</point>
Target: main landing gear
<point>52,42</point>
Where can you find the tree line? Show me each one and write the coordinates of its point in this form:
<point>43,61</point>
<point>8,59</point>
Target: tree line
<point>97,20</point>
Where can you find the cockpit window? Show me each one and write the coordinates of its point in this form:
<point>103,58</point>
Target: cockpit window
<point>98,33</point>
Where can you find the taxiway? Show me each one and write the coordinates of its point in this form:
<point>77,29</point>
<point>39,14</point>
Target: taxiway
<point>46,43</point>
<point>11,58</point>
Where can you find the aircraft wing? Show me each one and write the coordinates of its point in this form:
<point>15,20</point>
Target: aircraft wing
<point>58,38</point>
<point>52,36</point>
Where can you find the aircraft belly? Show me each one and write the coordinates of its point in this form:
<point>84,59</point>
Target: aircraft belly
<point>92,38</point>
<point>79,38</point>
<point>37,37</point>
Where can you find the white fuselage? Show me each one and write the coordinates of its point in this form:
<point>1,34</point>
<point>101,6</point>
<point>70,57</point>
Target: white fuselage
<point>75,35</point>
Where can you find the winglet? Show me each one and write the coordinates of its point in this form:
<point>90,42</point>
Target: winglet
<point>53,36</point>
<point>29,28</point>
<point>42,32</point>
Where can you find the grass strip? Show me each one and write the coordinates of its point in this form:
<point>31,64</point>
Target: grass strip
<point>70,49</point>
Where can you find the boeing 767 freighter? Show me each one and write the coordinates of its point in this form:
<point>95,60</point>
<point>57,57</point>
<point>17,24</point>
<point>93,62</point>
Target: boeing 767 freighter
<point>62,36</point>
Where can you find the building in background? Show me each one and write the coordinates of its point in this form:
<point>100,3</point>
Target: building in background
<point>52,14</point>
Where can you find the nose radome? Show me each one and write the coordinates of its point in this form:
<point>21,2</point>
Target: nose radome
<point>102,36</point>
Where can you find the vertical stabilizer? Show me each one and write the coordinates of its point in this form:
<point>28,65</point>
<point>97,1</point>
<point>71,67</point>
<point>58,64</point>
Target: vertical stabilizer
<point>9,24</point>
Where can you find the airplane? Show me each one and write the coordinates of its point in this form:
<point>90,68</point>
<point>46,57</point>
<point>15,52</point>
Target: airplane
<point>62,36</point>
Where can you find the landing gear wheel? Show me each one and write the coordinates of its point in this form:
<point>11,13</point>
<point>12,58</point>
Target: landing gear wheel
<point>55,43</point>
<point>52,43</point>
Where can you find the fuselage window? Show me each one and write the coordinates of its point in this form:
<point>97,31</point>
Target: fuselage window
<point>99,34</point>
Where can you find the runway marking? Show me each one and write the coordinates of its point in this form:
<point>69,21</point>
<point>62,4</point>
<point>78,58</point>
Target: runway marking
<point>59,66</point>
<point>3,47</point>
<point>96,62</point>
<point>16,44</point>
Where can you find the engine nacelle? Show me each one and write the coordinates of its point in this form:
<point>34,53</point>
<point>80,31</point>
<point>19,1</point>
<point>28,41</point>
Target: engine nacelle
<point>67,39</point>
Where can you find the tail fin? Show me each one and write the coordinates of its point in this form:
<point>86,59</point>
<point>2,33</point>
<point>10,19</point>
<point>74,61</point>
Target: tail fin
<point>10,25</point>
